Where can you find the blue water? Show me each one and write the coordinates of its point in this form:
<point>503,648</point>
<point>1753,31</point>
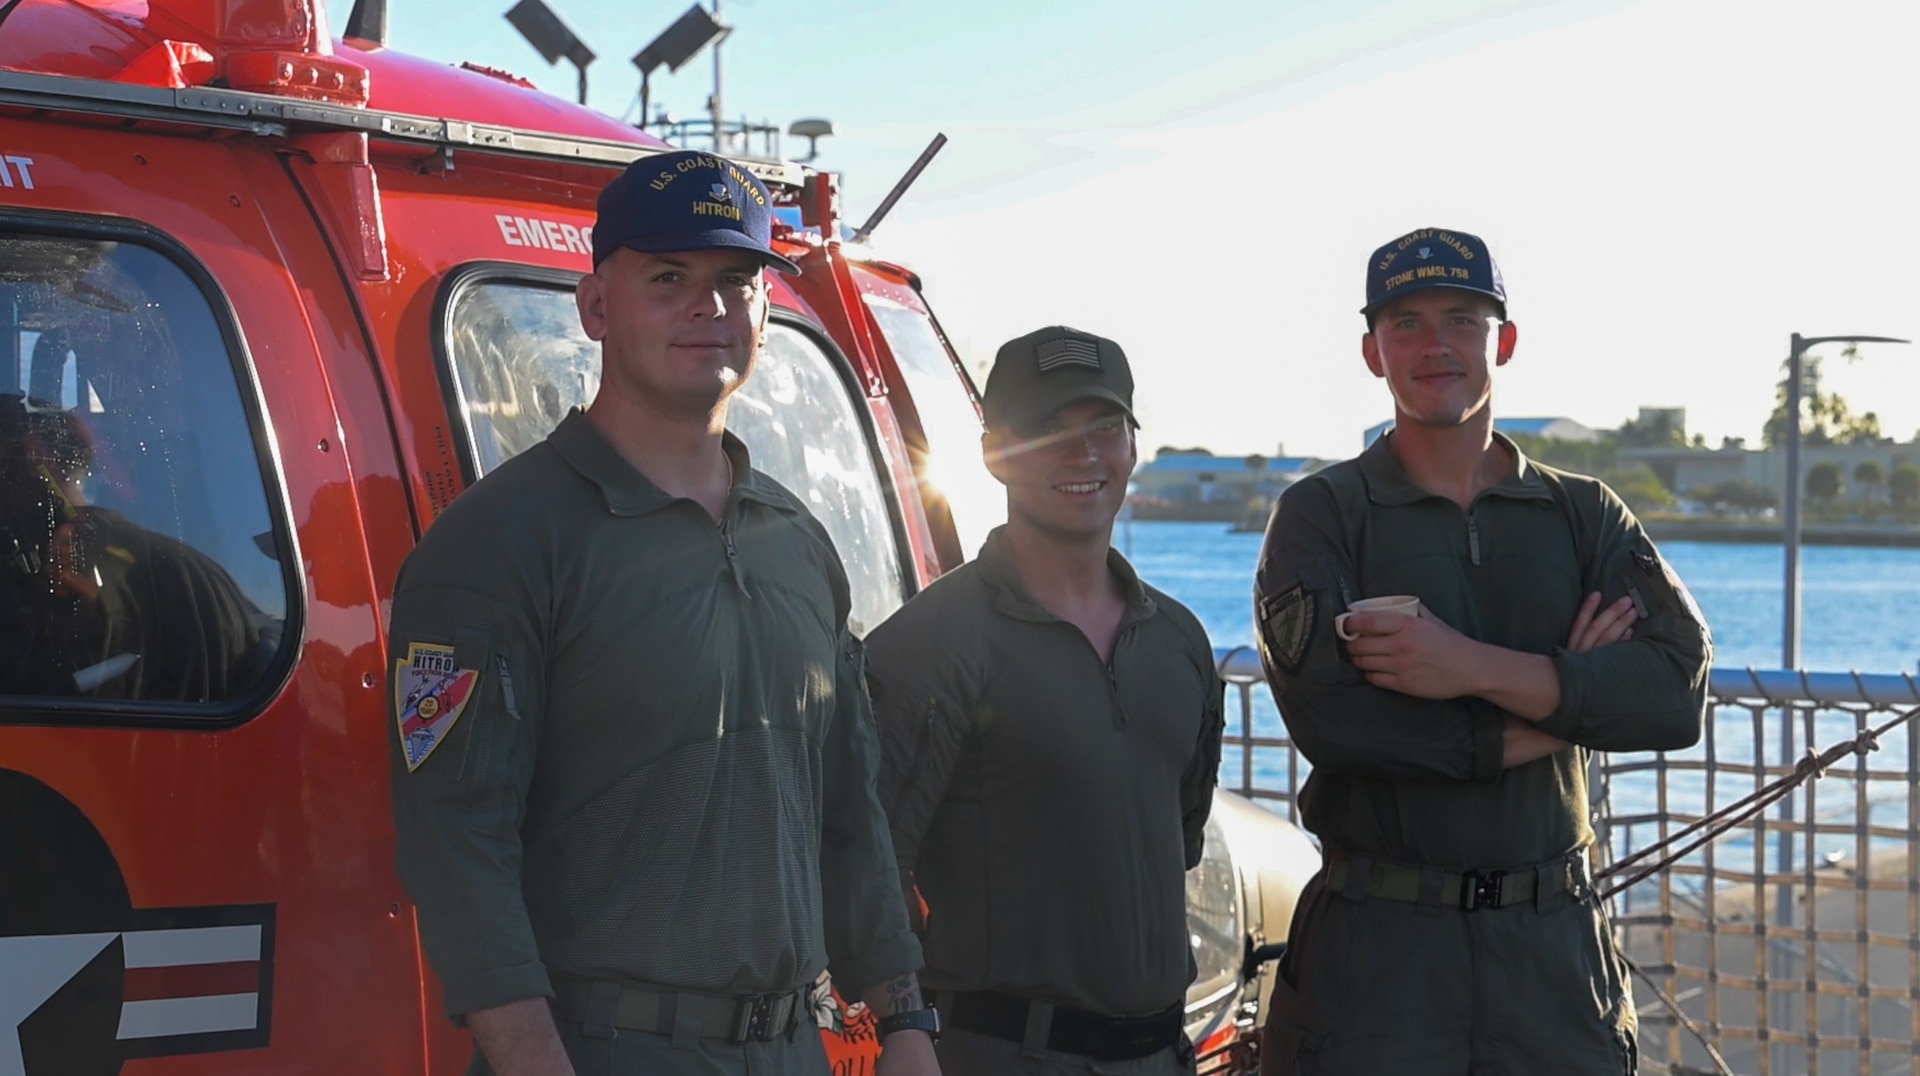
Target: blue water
<point>1860,608</point>
<point>1860,612</point>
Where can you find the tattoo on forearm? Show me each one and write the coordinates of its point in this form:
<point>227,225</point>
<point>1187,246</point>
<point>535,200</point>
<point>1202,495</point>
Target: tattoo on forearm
<point>903,995</point>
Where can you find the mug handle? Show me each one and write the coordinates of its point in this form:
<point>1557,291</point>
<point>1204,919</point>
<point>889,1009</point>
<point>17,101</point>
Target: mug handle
<point>1340,627</point>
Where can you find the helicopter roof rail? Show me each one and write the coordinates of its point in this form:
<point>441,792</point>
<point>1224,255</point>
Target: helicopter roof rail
<point>273,115</point>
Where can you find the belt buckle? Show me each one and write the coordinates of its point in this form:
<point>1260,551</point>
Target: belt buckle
<point>755,1020</point>
<point>1579,879</point>
<point>1480,890</point>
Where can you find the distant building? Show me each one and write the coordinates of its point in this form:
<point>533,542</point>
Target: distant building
<point>1233,480</point>
<point>1684,470</point>
<point>1555,429</point>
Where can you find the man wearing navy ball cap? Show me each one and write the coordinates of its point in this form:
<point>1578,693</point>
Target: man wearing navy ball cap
<point>633,761</point>
<point>1454,928</point>
<point>685,202</point>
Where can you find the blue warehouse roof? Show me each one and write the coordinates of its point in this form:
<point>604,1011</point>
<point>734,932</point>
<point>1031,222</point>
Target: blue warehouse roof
<point>1216,464</point>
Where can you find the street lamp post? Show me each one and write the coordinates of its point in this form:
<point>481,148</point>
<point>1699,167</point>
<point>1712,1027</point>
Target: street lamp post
<point>1790,617</point>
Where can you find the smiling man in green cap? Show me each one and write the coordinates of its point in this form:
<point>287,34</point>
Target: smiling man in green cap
<point>1050,730</point>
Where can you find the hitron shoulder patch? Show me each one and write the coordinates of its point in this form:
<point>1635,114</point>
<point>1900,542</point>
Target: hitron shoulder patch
<point>429,693</point>
<point>1286,626</point>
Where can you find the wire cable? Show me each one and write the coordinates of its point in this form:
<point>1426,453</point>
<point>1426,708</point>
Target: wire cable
<point>1720,822</point>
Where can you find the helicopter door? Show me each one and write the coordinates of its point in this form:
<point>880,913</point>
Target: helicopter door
<point>194,828</point>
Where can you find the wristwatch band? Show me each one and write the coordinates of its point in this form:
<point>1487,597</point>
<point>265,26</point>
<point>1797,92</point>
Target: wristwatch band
<point>926,1020</point>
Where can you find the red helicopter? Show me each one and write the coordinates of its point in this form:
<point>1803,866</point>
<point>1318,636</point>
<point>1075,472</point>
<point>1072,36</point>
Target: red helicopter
<point>268,302</point>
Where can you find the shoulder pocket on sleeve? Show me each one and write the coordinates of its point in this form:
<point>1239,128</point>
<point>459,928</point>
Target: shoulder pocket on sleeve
<point>1657,588</point>
<point>436,690</point>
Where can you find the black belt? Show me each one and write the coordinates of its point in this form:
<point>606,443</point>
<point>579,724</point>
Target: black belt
<point>1108,1038</point>
<point>1357,876</point>
<point>631,1007</point>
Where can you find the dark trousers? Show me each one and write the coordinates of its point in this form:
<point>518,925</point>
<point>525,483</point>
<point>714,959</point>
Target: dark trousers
<point>963,1053</point>
<point>1375,986</point>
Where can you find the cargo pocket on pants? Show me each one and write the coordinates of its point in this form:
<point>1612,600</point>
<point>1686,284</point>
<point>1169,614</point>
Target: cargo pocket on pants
<point>1295,1029</point>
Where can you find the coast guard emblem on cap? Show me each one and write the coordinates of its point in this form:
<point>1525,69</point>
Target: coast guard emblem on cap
<point>429,694</point>
<point>1423,253</point>
<point>720,193</point>
<point>1067,351</point>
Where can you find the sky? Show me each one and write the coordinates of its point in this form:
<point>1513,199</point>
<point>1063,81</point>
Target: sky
<point>1671,188</point>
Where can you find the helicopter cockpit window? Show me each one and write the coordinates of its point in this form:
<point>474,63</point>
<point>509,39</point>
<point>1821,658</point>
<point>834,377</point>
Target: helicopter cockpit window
<point>951,425</point>
<point>139,561</point>
<point>520,362</point>
<point>796,417</point>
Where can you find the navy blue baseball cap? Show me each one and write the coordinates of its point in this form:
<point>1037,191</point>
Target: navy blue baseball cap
<point>1432,258</point>
<point>686,200</point>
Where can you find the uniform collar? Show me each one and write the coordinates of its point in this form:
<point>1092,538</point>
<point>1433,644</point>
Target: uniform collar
<point>1011,597</point>
<point>630,493</point>
<point>1389,484</point>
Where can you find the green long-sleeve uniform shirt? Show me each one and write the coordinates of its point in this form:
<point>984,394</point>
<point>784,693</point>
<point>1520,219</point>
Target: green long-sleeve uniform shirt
<point>1047,803</point>
<point>1418,781</point>
<point>630,744</point>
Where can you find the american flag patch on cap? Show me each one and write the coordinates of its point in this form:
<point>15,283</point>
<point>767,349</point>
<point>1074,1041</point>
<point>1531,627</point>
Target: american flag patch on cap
<point>1067,351</point>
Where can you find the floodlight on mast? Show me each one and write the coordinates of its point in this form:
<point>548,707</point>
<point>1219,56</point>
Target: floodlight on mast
<point>679,43</point>
<point>545,32</point>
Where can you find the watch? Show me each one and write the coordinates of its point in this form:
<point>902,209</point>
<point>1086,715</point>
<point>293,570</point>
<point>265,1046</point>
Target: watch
<point>927,1020</point>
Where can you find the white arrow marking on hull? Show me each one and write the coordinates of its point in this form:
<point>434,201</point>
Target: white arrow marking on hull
<point>37,967</point>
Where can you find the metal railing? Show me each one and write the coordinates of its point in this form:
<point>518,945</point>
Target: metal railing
<point>1792,943</point>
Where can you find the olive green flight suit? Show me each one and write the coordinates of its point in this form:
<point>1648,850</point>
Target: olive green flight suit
<point>1046,803</point>
<point>1408,794</point>
<point>661,766</point>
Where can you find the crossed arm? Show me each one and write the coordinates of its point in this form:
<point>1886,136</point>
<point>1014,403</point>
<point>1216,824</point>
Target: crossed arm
<point>1426,658</point>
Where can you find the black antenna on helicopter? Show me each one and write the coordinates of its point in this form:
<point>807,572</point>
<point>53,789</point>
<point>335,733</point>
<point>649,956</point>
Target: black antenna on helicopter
<point>368,21</point>
<point>900,188</point>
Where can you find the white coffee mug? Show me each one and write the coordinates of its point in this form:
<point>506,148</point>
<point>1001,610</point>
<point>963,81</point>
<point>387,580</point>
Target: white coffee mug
<point>1400,604</point>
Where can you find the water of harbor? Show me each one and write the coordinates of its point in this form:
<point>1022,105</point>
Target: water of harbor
<point>1860,608</point>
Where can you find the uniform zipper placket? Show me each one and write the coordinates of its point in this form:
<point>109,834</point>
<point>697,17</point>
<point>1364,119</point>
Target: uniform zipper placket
<point>1473,536</point>
<point>1113,678</point>
<point>733,553</point>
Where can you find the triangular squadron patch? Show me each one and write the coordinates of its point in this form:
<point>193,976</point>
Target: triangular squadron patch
<point>429,694</point>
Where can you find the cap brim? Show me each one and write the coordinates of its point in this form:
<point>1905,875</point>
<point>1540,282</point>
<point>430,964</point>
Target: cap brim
<point>714,239</point>
<point>1030,413</point>
<point>1368,310</point>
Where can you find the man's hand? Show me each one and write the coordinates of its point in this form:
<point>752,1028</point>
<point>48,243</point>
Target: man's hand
<point>1420,656</point>
<point>519,1039</point>
<point>903,1053</point>
<point>1424,657</point>
<point>907,1053</point>
<point>1594,627</point>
